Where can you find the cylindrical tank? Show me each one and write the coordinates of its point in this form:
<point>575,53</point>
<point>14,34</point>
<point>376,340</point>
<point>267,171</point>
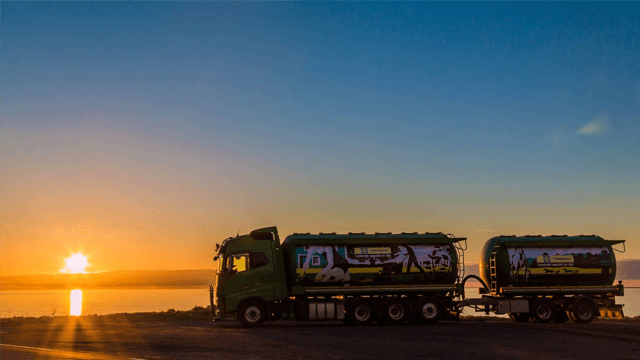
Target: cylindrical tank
<point>367,259</point>
<point>527,261</point>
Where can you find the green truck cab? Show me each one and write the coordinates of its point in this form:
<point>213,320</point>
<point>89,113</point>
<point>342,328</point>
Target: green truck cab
<point>250,271</point>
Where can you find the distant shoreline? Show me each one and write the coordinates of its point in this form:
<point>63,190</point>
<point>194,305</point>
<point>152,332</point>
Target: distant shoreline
<point>151,279</point>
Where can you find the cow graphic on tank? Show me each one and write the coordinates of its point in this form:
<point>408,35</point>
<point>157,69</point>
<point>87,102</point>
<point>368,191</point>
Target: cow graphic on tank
<point>361,264</point>
<point>562,265</point>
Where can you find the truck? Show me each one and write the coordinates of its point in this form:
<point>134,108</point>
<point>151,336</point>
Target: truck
<point>549,278</point>
<point>416,277</point>
<point>354,277</point>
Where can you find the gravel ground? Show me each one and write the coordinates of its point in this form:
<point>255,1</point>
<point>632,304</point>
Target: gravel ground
<point>200,339</point>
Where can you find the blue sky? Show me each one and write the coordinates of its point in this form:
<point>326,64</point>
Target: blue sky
<point>330,116</point>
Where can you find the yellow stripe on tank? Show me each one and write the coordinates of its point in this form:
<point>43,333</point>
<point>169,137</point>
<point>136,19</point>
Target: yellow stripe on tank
<point>372,270</point>
<point>560,271</point>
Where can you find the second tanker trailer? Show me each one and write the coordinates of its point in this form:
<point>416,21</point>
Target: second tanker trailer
<point>548,278</point>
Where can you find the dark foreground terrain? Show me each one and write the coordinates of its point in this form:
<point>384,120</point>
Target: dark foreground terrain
<point>165,337</point>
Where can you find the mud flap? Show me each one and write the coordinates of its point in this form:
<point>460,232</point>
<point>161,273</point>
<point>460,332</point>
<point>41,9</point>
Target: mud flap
<point>611,312</point>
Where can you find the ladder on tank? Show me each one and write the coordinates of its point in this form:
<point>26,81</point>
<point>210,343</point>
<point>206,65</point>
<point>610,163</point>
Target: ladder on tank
<point>460,251</point>
<point>492,268</point>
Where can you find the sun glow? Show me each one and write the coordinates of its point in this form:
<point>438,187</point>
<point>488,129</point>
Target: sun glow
<point>76,264</point>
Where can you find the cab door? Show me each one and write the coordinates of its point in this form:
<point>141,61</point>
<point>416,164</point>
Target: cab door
<point>239,280</point>
<point>261,264</point>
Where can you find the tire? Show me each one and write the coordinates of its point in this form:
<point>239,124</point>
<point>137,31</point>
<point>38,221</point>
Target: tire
<point>360,312</point>
<point>396,312</point>
<point>561,317</point>
<point>429,310</point>
<point>519,317</point>
<point>583,311</point>
<point>543,310</point>
<point>252,313</point>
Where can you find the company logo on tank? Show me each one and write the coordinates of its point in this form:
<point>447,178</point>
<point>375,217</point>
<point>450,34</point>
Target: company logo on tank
<point>372,250</point>
<point>554,260</point>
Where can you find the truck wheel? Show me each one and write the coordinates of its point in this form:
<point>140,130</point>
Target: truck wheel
<point>583,311</point>
<point>360,313</point>
<point>396,312</point>
<point>430,310</point>
<point>519,317</point>
<point>561,317</point>
<point>543,310</point>
<point>252,313</point>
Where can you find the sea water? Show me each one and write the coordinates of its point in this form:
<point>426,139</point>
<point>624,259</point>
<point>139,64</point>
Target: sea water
<point>98,302</point>
<point>102,302</point>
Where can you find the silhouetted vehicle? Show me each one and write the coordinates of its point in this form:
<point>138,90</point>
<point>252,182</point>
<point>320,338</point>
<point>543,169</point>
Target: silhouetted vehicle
<point>550,278</point>
<point>393,278</point>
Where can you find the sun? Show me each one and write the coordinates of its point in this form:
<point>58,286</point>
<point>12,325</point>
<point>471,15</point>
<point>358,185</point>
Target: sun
<point>76,264</point>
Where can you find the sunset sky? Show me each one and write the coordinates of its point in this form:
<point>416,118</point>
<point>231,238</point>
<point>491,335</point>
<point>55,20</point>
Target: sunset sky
<point>142,133</point>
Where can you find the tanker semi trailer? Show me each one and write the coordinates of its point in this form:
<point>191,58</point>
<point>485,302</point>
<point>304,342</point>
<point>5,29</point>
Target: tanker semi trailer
<point>548,278</point>
<point>355,277</point>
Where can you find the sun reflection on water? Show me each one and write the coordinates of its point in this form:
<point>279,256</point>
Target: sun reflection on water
<point>75,301</point>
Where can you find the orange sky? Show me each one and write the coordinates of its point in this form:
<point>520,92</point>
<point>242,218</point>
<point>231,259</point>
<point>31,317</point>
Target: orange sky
<point>144,202</point>
<point>142,135</point>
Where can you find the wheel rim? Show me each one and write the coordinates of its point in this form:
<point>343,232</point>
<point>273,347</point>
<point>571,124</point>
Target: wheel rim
<point>544,311</point>
<point>253,314</point>
<point>362,313</point>
<point>396,312</point>
<point>584,311</point>
<point>429,310</point>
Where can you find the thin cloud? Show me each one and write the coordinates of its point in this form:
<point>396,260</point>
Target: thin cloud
<point>596,126</point>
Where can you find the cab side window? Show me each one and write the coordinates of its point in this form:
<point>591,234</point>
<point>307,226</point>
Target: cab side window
<point>238,263</point>
<point>258,259</point>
